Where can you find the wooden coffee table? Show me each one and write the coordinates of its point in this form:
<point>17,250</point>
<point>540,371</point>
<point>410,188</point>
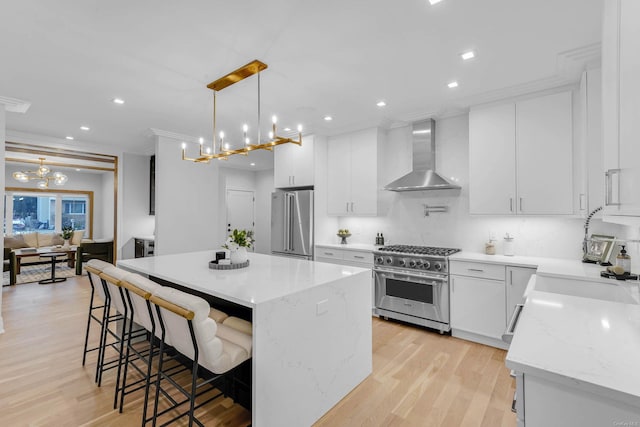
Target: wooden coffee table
<point>22,253</point>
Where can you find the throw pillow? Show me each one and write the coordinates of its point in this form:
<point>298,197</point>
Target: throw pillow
<point>31,239</point>
<point>14,242</point>
<point>45,239</point>
<point>77,237</point>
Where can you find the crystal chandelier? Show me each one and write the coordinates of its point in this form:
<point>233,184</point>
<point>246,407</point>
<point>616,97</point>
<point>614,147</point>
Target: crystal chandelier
<point>43,175</point>
<point>221,149</point>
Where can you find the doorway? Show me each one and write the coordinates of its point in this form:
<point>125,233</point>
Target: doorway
<point>240,211</point>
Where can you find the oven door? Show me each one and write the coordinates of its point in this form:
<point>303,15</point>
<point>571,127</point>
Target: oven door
<point>417,294</point>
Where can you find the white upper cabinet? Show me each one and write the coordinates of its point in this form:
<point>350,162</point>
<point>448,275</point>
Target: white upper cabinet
<point>621,108</point>
<point>293,165</point>
<point>544,153</point>
<point>352,181</point>
<point>492,166</point>
<point>520,157</point>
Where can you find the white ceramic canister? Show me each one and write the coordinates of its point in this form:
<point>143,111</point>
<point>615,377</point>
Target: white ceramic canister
<point>509,245</point>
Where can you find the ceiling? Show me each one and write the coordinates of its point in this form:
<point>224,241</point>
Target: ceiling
<point>69,59</point>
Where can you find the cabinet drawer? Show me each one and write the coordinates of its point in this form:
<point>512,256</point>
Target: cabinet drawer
<point>477,269</point>
<point>335,254</point>
<point>360,257</point>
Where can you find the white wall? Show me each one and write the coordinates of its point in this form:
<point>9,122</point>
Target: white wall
<point>264,188</point>
<point>187,201</point>
<point>136,220</point>
<point>325,226</point>
<point>403,222</point>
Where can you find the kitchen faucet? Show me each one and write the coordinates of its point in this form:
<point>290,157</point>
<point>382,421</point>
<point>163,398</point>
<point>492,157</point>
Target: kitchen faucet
<point>585,241</point>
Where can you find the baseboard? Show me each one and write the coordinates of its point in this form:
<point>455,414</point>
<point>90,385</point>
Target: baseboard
<point>470,336</point>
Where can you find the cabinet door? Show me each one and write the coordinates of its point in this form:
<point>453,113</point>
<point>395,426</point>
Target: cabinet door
<point>339,175</point>
<point>303,162</point>
<point>517,279</point>
<point>283,164</point>
<point>478,306</point>
<point>610,92</point>
<point>629,131</point>
<point>364,172</point>
<point>629,84</point>
<point>492,171</point>
<point>293,164</point>
<point>544,152</point>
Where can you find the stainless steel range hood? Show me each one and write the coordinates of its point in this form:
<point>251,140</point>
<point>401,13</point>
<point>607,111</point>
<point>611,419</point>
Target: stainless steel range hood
<point>423,176</point>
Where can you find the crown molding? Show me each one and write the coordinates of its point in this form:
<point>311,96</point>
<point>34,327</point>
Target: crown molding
<point>172,135</point>
<point>15,105</point>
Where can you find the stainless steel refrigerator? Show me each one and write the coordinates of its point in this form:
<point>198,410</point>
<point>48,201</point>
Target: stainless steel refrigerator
<point>292,223</point>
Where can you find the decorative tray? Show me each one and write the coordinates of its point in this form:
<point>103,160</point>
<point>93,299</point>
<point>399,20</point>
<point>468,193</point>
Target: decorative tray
<point>215,266</point>
<point>625,276</point>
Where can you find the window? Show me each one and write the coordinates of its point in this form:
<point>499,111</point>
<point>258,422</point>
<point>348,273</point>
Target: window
<point>48,212</point>
<point>74,212</point>
<point>33,213</point>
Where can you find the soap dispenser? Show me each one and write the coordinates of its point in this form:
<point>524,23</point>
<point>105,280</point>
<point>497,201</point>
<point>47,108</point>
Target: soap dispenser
<point>624,260</point>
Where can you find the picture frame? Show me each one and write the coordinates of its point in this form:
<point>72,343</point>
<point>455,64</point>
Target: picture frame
<point>599,248</point>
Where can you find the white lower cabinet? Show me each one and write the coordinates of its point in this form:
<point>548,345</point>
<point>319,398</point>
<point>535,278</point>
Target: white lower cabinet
<point>541,402</point>
<point>354,258</point>
<point>483,297</point>
<point>478,306</point>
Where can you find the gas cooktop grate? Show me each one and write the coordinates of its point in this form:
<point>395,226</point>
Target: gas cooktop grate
<point>418,250</point>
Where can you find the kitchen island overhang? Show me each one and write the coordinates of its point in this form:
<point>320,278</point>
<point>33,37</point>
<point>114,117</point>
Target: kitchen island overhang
<point>311,326</point>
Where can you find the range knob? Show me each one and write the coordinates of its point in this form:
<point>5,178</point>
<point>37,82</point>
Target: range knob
<point>438,266</point>
<point>379,260</point>
<point>426,265</point>
<point>419,263</point>
<point>388,260</point>
<point>402,262</point>
<point>412,263</point>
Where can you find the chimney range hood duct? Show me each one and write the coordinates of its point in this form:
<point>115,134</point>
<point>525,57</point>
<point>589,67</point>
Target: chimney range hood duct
<point>423,176</point>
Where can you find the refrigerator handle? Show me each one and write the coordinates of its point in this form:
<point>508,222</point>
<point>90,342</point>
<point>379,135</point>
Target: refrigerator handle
<point>286,229</point>
<point>292,204</point>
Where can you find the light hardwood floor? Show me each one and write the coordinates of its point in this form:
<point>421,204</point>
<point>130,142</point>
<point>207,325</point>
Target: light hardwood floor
<point>419,377</point>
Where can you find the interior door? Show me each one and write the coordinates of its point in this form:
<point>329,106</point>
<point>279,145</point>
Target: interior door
<point>240,211</point>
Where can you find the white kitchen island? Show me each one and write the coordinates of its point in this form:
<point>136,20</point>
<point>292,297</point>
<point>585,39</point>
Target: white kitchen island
<point>311,327</point>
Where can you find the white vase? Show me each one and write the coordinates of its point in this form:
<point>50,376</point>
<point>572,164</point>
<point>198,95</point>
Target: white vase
<point>66,245</point>
<point>239,256</point>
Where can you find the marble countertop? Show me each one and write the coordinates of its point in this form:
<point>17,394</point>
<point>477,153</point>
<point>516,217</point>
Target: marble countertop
<point>267,277</point>
<point>581,342</point>
<point>551,267</point>
<point>350,246</point>
<point>517,261</point>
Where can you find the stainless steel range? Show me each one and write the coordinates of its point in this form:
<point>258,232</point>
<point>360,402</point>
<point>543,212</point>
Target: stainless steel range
<point>412,284</point>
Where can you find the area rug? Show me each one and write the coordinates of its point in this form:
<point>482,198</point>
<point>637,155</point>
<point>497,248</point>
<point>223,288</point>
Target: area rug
<point>35,273</point>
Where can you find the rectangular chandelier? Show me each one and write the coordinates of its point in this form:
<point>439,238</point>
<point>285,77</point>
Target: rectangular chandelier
<point>221,150</point>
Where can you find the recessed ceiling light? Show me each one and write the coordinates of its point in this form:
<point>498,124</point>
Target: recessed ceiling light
<point>77,169</point>
<point>328,118</point>
<point>468,55</point>
<point>381,103</point>
<point>287,129</point>
<point>434,1</point>
<point>84,128</point>
<point>452,85</point>
<point>118,101</point>
<point>70,138</point>
<point>252,164</point>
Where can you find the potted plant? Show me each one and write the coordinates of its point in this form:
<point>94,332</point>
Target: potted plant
<point>67,234</point>
<point>238,242</point>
